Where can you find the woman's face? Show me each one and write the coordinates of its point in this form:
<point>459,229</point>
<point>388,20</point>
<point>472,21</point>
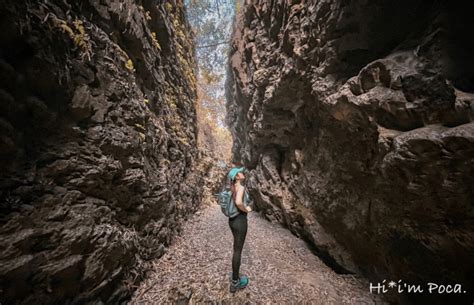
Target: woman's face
<point>240,176</point>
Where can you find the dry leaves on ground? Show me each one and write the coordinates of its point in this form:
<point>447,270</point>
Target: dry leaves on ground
<point>280,266</point>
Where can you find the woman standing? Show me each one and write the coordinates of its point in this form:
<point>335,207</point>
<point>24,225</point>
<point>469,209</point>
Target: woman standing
<point>238,226</point>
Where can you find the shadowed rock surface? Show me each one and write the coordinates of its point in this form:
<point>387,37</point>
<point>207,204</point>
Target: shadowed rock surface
<point>355,119</point>
<point>99,165</point>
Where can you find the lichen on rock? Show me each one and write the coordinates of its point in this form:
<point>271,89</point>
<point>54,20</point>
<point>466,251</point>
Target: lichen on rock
<point>98,169</point>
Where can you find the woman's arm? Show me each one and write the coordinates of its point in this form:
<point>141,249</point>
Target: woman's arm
<point>239,200</point>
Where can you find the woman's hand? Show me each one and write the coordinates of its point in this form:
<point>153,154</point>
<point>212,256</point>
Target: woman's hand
<point>249,209</point>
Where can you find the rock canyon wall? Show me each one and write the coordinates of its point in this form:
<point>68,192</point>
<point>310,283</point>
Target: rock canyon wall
<point>355,118</point>
<point>99,165</point>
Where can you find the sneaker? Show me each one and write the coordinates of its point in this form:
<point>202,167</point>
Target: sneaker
<point>239,284</point>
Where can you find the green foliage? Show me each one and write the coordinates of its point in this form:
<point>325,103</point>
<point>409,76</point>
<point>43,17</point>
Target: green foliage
<point>211,21</point>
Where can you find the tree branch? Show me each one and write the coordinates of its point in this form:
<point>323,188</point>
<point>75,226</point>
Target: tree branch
<point>212,45</point>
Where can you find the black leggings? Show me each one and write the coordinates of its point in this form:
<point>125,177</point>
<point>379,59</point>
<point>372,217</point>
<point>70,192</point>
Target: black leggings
<point>238,226</point>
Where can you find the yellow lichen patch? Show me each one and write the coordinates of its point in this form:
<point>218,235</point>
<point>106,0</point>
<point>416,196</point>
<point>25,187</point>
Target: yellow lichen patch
<point>155,41</point>
<point>183,45</point>
<point>183,140</point>
<point>81,39</point>
<point>148,15</point>
<point>238,6</point>
<point>174,119</point>
<point>187,69</point>
<point>129,65</point>
<point>128,62</point>
<point>66,29</point>
<point>171,99</point>
<point>139,126</point>
<point>146,101</point>
<point>168,6</point>
<point>77,34</point>
<point>164,162</point>
<point>142,136</point>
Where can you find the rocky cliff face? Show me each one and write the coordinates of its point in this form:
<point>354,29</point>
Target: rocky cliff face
<point>356,120</point>
<point>99,164</point>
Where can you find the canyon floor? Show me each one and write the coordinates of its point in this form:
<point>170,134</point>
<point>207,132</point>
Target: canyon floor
<point>281,268</point>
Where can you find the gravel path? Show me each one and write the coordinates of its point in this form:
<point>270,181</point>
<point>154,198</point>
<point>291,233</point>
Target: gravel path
<point>280,266</point>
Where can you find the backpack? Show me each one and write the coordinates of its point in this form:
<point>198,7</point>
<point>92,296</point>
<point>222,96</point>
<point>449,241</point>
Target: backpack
<point>226,201</point>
